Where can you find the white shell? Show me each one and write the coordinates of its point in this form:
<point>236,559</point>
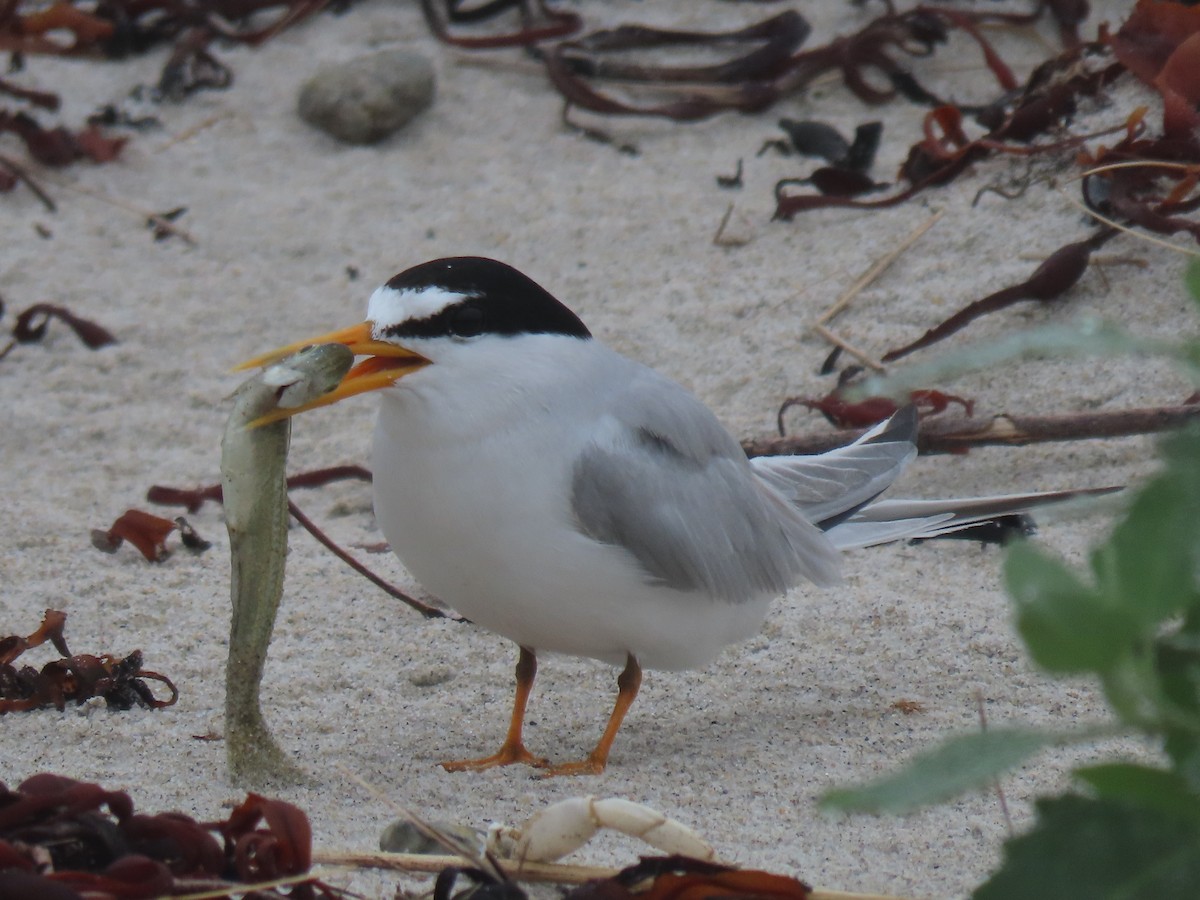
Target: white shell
<point>567,825</point>
<point>557,830</point>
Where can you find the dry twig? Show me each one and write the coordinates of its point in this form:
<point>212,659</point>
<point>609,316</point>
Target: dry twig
<point>958,433</point>
<point>881,265</point>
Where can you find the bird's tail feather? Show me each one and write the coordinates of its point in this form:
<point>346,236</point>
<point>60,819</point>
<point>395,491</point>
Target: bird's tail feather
<point>839,492</point>
<point>902,519</point>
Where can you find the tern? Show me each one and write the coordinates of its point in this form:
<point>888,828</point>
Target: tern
<point>575,501</point>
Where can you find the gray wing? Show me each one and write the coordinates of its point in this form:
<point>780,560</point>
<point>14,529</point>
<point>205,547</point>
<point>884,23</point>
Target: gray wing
<point>830,487</point>
<point>665,481</point>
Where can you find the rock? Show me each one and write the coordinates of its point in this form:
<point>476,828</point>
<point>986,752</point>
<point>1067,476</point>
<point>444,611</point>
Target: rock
<point>366,99</point>
<point>402,836</point>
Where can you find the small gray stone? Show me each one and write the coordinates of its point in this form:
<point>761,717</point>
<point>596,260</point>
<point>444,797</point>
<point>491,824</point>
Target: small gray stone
<point>402,836</point>
<point>366,99</point>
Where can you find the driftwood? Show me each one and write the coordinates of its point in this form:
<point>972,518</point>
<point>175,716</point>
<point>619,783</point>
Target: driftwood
<point>955,434</point>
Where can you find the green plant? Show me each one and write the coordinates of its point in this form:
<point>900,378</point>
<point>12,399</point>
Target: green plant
<point>1133,623</point>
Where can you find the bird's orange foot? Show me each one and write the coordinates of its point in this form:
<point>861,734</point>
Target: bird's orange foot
<point>507,755</point>
<point>592,765</point>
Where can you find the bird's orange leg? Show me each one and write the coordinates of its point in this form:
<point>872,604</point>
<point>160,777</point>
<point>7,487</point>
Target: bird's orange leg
<point>513,749</point>
<point>628,683</point>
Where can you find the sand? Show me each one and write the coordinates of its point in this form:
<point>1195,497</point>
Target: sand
<point>282,215</point>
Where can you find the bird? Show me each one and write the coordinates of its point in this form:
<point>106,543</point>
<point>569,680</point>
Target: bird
<point>576,501</point>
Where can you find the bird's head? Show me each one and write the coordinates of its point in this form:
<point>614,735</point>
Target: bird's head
<point>435,304</point>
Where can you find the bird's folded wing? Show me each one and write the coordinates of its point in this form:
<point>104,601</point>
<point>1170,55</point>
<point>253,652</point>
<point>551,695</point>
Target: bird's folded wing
<point>667,483</point>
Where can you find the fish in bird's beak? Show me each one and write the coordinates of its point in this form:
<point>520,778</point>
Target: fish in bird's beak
<point>385,363</point>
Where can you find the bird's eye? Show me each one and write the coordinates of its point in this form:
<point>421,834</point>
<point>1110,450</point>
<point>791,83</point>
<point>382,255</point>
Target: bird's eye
<point>467,322</point>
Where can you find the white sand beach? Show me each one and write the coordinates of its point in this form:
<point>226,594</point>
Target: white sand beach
<point>282,214</point>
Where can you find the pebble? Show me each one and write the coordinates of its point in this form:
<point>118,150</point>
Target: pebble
<point>364,100</point>
<point>402,836</point>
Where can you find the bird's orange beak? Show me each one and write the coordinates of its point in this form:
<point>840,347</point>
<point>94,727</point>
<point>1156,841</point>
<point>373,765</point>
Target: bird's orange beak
<point>384,364</point>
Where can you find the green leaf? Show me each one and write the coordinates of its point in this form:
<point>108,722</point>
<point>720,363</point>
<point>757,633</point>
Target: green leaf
<point>1087,338</point>
<point>1065,623</point>
<point>962,762</point>
<point>1191,278</point>
<point>1099,850</point>
<point>1146,567</point>
<point>1144,787</point>
<point>1177,669</point>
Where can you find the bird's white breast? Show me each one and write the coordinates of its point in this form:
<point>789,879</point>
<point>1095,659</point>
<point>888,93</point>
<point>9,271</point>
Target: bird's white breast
<point>473,463</point>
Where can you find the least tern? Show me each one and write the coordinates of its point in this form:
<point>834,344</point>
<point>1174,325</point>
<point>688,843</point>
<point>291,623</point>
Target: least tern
<point>575,501</point>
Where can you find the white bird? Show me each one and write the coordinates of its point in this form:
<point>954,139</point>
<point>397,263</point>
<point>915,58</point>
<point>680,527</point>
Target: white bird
<point>574,501</point>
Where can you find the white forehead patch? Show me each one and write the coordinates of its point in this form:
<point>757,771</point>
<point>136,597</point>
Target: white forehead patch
<point>389,307</point>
